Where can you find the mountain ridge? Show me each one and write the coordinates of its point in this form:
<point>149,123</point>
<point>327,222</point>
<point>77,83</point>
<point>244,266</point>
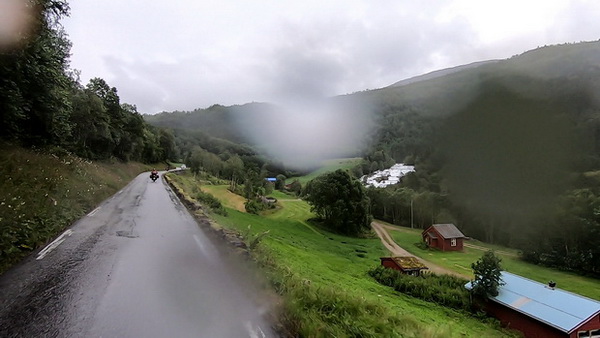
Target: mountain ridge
<point>441,72</point>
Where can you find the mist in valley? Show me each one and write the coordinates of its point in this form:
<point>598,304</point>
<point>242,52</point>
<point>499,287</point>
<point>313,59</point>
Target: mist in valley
<point>303,132</point>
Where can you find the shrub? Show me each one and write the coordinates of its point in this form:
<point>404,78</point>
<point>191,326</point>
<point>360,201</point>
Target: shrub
<point>212,202</point>
<point>255,206</point>
<point>445,290</point>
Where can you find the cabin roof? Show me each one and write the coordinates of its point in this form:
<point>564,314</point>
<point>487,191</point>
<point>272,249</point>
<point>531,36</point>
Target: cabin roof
<point>407,263</point>
<point>561,309</point>
<point>448,231</point>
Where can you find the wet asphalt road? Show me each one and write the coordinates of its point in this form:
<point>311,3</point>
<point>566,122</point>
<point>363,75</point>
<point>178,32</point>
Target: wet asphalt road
<point>137,266</point>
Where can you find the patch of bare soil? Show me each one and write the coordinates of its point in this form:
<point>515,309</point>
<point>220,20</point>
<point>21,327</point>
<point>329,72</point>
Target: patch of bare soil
<point>236,201</point>
<point>228,198</point>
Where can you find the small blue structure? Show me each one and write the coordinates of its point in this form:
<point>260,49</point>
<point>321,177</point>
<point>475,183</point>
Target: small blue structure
<point>540,310</point>
<point>271,179</point>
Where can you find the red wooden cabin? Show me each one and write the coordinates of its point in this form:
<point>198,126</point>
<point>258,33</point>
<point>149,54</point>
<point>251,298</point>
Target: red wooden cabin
<point>445,237</point>
<point>543,311</point>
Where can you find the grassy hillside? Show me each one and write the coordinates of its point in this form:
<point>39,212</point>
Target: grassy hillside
<point>323,279</point>
<point>328,166</point>
<point>43,192</point>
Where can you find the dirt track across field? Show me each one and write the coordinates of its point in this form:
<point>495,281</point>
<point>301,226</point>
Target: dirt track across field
<point>396,250</point>
<point>477,247</point>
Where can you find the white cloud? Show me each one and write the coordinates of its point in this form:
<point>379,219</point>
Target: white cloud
<point>191,54</point>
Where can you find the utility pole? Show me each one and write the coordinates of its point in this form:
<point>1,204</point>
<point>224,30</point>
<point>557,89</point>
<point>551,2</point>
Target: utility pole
<point>411,214</point>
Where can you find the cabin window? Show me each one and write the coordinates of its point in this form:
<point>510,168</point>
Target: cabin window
<point>595,333</point>
<point>583,334</point>
<point>453,242</point>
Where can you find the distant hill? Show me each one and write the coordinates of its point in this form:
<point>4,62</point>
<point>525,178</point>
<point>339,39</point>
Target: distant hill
<point>538,72</point>
<point>217,121</point>
<point>440,73</point>
<point>569,73</point>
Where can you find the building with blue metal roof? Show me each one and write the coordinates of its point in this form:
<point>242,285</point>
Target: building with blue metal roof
<point>539,310</point>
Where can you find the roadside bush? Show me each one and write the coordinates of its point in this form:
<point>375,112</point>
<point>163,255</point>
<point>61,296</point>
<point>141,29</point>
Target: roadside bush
<point>42,193</point>
<point>422,245</point>
<point>445,290</point>
<point>212,202</point>
<point>255,206</point>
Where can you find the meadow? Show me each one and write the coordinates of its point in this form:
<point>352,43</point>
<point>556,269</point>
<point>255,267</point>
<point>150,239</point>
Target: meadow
<point>323,279</point>
<point>461,262</point>
<point>328,166</point>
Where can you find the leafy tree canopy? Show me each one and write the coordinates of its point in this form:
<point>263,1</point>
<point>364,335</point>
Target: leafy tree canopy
<point>341,201</point>
<point>487,275</point>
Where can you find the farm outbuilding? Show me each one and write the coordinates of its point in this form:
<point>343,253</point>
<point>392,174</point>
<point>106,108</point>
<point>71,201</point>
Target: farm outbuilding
<point>445,237</point>
<point>408,265</point>
<point>543,311</point>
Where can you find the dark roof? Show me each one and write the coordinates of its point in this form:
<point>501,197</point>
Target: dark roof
<point>432,234</point>
<point>407,263</point>
<point>561,309</point>
<point>448,231</point>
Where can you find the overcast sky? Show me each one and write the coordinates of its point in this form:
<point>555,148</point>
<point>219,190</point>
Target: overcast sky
<point>181,55</point>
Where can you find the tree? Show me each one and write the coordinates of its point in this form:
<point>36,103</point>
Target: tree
<point>296,187</point>
<point>167,144</point>
<point>91,126</point>
<point>34,84</point>
<point>280,183</point>
<point>341,201</point>
<point>487,275</point>
<point>132,144</point>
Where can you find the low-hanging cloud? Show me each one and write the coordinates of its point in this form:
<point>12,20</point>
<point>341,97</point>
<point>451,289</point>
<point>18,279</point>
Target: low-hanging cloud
<point>301,134</point>
<point>305,69</point>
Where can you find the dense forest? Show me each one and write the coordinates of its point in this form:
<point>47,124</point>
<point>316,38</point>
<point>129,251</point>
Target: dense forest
<point>42,103</point>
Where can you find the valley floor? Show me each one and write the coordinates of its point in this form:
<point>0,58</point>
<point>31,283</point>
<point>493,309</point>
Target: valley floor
<point>323,278</point>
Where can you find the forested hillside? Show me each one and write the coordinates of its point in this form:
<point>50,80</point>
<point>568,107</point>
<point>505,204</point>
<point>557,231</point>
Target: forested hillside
<point>217,121</point>
<point>43,104</point>
<point>508,151</point>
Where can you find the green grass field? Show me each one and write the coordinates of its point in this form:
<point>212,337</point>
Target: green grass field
<point>330,263</point>
<point>328,166</point>
<point>461,262</point>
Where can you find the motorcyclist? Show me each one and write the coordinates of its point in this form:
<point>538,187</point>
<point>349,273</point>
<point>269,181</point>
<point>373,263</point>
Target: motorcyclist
<point>154,173</point>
